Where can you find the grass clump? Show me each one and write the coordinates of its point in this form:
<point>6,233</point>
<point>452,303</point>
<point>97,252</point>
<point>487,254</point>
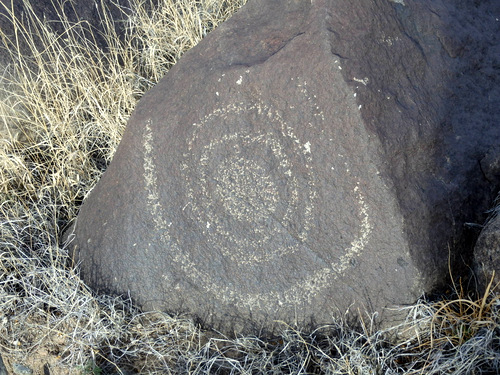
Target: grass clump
<point>65,100</point>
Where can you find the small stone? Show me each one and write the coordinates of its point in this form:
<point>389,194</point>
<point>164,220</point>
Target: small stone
<point>21,369</point>
<point>3,369</point>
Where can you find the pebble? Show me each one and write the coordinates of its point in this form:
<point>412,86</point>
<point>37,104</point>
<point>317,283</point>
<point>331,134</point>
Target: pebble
<point>21,369</point>
<point>3,370</point>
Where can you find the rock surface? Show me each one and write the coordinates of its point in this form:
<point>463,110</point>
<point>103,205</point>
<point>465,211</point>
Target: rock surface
<point>487,253</point>
<point>306,158</point>
<point>3,369</point>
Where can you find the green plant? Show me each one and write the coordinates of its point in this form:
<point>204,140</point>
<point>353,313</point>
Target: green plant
<point>91,369</point>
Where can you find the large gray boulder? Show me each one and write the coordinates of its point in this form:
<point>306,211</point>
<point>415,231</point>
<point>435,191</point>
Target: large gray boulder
<point>305,159</point>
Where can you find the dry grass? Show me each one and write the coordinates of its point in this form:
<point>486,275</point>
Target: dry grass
<point>64,107</point>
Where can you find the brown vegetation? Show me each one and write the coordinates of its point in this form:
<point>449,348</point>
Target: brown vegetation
<point>64,107</point>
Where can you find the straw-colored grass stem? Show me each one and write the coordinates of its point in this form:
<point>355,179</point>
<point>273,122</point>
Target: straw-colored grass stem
<point>64,103</point>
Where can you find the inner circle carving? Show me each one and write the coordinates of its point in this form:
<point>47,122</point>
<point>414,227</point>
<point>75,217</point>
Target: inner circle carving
<point>245,192</point>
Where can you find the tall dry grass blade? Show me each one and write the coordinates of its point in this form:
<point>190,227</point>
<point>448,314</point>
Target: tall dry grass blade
<point>70,97</point>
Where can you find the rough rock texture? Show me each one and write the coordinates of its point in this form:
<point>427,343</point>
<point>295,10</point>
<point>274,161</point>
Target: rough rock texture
<point>487,253</point>
<point>306,158</point>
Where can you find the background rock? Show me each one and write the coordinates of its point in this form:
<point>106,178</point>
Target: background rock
<point>51,12</point>
<point>487,252</point>
<point>305,159</point>
<point>88,13</point>
<point>3,370</point>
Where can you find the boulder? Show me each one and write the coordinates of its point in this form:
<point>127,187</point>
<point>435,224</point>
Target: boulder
<point>307,158</point>
<point>487,252</point>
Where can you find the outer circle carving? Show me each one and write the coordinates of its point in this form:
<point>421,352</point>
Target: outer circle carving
<point>229,185</point>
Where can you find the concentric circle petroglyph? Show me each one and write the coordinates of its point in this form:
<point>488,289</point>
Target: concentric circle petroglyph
<point>251,193</point>
<point>233,195</point>
<point>247,193</point>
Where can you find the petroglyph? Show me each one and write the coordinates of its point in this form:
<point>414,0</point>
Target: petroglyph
<point>244,188</point>
<point>252,193</point>
<point>249,187</point>
<point>246,191</point>
<point>364,81</point>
